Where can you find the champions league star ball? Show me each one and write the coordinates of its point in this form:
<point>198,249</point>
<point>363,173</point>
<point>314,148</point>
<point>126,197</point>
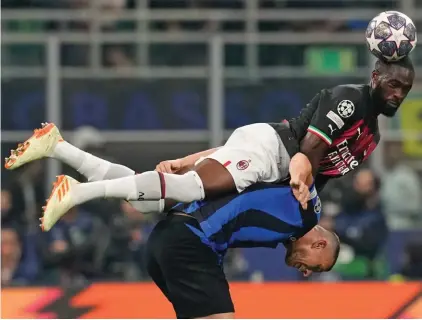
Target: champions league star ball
<point>391,36</point>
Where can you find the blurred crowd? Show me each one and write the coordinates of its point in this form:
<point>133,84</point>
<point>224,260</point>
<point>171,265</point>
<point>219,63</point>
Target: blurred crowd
<point>125,55</point>
<point>104,239</point>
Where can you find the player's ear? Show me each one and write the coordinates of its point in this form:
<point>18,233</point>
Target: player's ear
<point>374,78</point>
<point>320,244</point>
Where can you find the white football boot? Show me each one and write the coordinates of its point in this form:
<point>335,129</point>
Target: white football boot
<point>40,145</point>
<point>61,200</point>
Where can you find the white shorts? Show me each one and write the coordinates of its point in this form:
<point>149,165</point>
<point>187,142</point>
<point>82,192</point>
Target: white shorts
<point>254,153</point>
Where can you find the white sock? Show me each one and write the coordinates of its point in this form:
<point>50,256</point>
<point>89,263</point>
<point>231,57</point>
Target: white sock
<point>92,167</point>
<point>85,192</point>
<point>97,169</point>
<point>68,154</point>
<point>149,185</point>
<point>123,188</point>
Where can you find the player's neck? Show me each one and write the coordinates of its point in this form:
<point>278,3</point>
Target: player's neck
<point>374,100</point>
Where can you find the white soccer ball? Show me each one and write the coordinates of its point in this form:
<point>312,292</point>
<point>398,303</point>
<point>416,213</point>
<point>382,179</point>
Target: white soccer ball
<point>391,36</point>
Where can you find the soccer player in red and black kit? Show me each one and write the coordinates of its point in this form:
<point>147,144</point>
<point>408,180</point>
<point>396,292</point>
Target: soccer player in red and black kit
<point>337,131</point>
<point>342,122</point>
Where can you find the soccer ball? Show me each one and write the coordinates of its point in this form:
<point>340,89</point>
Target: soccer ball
<point>391,36</point>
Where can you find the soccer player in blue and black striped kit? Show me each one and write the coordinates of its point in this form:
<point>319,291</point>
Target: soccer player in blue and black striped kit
<point>185,250</point>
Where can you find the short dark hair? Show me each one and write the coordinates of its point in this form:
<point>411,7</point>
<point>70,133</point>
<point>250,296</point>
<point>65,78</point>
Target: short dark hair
<point>336,243</point>
<point>382,66</point>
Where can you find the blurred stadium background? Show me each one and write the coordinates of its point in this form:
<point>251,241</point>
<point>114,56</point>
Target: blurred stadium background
<point>141,81</point>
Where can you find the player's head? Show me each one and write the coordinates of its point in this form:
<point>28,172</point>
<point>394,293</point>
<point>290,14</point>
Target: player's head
<point>391,82</point>
<point>316,251</point>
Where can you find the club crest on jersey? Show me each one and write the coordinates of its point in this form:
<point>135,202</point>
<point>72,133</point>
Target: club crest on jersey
<point>345,108</point>
<point>242,165</point>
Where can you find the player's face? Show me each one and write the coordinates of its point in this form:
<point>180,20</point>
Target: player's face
<point>308,258</point>
<point>391,88</point>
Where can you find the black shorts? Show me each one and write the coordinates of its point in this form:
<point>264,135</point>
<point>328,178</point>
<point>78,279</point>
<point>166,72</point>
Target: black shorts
<point>187,271</point>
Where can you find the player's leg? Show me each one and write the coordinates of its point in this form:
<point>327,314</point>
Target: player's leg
<point>195,280</point>
<point>250,155</point>
<point>97,169</point>
<point>90,166</point>
<point>48,142</point>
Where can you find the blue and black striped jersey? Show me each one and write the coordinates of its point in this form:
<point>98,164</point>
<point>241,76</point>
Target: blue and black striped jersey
<point>263,215</point>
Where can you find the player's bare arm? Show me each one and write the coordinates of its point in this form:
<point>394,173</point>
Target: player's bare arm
<point>314,148</point>
<point>300,169</point>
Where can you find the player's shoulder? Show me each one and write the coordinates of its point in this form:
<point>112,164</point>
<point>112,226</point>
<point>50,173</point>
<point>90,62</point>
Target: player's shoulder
<point>352,92</point>
<point>350,99</point>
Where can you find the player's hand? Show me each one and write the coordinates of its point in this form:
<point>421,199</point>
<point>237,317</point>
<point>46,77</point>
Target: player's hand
<point>300,191</point>
<point>169,166</point>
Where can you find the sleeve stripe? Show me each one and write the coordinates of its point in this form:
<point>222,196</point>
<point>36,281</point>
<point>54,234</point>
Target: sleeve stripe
<point>320,134</point>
